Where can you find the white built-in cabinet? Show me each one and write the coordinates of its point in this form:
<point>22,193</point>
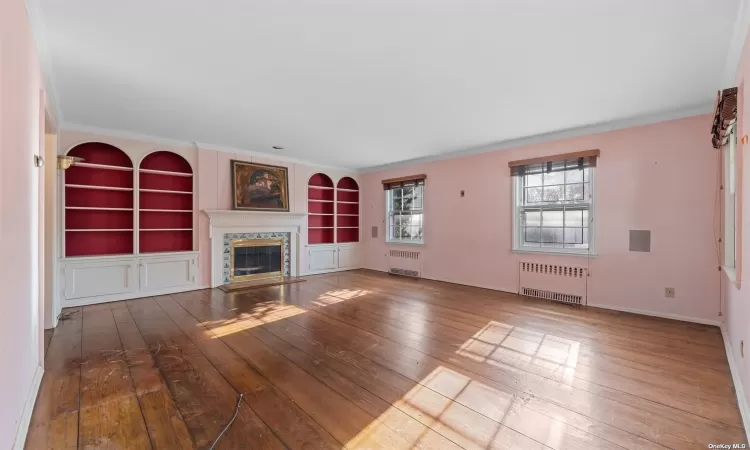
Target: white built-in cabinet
<point>127,221</point>
<point>326,258</point>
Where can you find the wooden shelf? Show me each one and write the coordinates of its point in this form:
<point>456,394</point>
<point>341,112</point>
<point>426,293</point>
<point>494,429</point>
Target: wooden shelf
<point>164,191</point>
<point>320,228</point>
<point>99,188</point>
<point>320,201</point>
<point>100,229</point>
<point>349,215</point>
<point>166,229</point>
<point>319,214</point>
<point>348,203</point>
<point>347,227</point>
<point>327,188</point>
<point>97,208</point>
<point>165,172</point>
<point>102,166</point>
<point>347,190</point>
<point>320,206</point>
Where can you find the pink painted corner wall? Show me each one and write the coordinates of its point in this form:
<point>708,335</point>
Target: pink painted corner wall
<point>658,177</point>
<point>21,131</point>
<point>737,301</point>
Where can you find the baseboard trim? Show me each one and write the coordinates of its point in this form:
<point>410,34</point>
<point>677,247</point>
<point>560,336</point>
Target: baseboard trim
<point>738,388</point>
<point>85,301</point>
<point>28,409</point>
<point>642,312</point>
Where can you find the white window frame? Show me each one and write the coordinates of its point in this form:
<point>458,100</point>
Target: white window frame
<point>517,237</point>
<point>729,169</point>
<point>389,218</point>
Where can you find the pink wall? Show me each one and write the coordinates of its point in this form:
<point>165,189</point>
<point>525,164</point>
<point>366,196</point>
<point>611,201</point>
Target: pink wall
<point>738,300</point>
<point>659,177</point>
<point>20,136</point>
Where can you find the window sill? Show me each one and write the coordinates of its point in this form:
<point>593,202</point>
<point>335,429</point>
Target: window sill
<point>731,273</point>
<point>555,253</point>
<point>405,243</point>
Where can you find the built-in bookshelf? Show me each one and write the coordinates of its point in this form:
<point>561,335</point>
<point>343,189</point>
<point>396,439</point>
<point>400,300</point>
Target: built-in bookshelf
<point>320,208</point>
<point>100,208</point>
<point>333,211</point>
<point>347,210</point>
<point>98,202</point>
<point>165,203</point>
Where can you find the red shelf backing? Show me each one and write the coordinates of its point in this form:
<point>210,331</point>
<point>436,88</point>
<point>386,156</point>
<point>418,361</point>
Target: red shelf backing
<point>347,235</point>
<point>98,198</point>
<point>165,182</point>
<point>166,161</point>
<point>157,219</point>
<point>165,200</point>
<point>92,176</point>
<point>320,179</point>
<point>97,243</point>
<point>165,241</point>
<point>347,208</point>
<point>100,153</point>
<point>319,194</point>
<point>347,221</point>
<point>88,219</point>
<point>347,183</point>
<point>320,221</point>
<point>320,236</point>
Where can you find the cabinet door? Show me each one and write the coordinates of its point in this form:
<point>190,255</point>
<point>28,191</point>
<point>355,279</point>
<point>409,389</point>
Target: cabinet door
<point>322,258</point>
<point>347,256</point>
<point>167,272</point>
<point>98,278</point>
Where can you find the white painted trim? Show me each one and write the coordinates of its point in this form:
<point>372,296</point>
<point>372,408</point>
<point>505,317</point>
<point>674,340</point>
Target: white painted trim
<point>738,388</point>
<point>169,142</point>
<point>28,409</point>
<point>646,119</point>
<point>84,301</point>
<point>642,312</point>
<point>736,44</point>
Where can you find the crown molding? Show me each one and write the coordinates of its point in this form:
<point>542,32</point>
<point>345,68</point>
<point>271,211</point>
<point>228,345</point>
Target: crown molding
<point>736,45</point>
<point>38,30</point>
<point>170,142</point>
<point>568,133</point>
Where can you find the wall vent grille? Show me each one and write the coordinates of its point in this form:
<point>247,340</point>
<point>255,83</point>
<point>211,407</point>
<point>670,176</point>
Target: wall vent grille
<point>404,262</point>
<point>554,282</point>
<point>554,296</point>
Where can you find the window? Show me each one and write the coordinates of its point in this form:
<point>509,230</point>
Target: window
<point>553,207</point>
<point>405,212</point>
<point>730,202</point>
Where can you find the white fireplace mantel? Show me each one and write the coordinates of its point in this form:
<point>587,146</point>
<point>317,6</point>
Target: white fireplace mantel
<point>234,221</point>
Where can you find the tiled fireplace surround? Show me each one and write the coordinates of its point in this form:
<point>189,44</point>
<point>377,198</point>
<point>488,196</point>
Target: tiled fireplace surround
<point>227,225</point>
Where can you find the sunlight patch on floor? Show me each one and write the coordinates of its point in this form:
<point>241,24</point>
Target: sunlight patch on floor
<point>471,414</point>
<point>245,321</point>
<point>347,294</point>
<point>499,344</point>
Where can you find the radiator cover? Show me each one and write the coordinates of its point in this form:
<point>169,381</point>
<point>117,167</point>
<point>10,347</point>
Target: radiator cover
<point>555,282</point>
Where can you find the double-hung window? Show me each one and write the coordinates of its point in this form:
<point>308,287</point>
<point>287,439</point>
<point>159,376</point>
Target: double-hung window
<point>405,211</point>
<point>553,205</point>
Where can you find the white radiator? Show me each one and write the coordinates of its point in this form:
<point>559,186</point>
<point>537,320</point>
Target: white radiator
<point>566,284</point>
<point>402,262</point>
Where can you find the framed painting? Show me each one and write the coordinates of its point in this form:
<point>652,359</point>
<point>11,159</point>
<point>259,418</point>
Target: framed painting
<point>259,187</point>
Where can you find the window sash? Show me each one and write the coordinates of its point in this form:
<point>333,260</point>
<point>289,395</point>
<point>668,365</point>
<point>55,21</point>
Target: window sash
<point>402,226</point>
<point>562,234</point>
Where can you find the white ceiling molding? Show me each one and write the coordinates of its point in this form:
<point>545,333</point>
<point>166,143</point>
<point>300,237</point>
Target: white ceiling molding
<point>556,136</point>
<point>736,45</point>
<point>33,11</point>
<point>169,142</point>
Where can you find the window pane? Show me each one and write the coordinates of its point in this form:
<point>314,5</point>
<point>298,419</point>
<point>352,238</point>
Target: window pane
<point>552,218</point>
<point>533,180</point>
<point>397,232</point>
<point>552,237</point>
<point>573,236</point>
<point>574,192</point>
<point>586,192</point>
<point>552,193</point>
<point>554,178</point>
<point>532,236</point>
<point>418,194</point>
<point>533,195</point>
<point>573,218</point>
<point>586,174</point>
<point>531,218</point>
<point>573,176</point>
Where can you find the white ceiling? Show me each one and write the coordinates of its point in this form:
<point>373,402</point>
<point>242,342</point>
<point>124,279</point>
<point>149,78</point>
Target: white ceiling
<point>365,83</point>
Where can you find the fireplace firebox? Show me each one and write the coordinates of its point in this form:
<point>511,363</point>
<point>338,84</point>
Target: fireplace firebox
<point>256,259</point>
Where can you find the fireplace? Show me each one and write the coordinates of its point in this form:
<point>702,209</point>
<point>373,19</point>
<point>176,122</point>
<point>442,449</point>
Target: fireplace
<point>255,259</point>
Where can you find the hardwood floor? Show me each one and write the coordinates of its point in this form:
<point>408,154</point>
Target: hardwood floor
<point>365,360</point>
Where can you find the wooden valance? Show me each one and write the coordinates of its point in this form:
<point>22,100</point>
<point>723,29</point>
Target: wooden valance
<point>553,163</point>
<point>725,116</point>
<point>414,180</point>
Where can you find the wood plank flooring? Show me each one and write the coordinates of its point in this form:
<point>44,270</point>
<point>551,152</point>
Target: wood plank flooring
<point>361,359</point>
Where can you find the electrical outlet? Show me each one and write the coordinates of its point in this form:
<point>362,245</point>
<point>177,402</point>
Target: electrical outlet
<point>669,292</point>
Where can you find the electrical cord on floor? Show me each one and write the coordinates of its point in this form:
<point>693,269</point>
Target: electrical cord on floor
<point>236,412</point>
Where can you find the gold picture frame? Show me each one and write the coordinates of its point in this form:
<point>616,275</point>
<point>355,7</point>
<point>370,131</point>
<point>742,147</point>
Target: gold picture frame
<point>259,187</point>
